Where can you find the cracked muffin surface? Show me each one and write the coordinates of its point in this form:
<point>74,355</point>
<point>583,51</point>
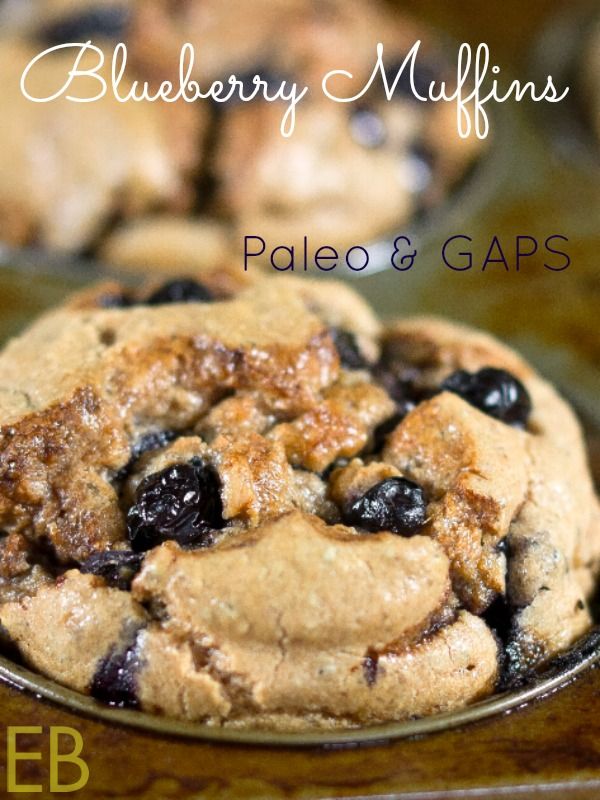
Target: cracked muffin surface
<point>250,503</point>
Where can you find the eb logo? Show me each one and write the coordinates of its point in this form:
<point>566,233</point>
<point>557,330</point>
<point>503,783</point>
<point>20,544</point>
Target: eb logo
<point>61,739</point>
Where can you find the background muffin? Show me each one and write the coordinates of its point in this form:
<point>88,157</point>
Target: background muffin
<point>72,177</point>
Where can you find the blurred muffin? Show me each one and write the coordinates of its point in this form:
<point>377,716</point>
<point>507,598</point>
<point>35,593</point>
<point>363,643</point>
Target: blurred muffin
<point>170,243</point>
<point>59,21</point>
<point>68,169</point>
<point>349,171</point>
<point>229,36</point>
<point>71,174</point>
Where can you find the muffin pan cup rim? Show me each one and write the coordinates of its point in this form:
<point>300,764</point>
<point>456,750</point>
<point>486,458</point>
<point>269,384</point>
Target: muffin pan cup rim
<point>586,654</point>
<point>569,135</point>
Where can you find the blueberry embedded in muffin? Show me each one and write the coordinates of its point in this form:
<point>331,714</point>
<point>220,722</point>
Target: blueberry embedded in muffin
<point>180,291</point>
<point>54,22</point>
<point>494,391</point>
<point>92,21</point>
<point>115,679</point>
<point>181,503</point>
<point>117,567</point>
<point>245,525</point>
<point>396,505</point>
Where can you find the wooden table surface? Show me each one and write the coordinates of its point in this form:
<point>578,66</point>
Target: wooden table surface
<point>550,749</point>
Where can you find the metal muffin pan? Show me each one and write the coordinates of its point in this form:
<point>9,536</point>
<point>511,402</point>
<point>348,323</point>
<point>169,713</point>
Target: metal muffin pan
<point>564,670</point>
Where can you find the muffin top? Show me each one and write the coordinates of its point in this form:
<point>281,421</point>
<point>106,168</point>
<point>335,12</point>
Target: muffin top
<point>250,503</point>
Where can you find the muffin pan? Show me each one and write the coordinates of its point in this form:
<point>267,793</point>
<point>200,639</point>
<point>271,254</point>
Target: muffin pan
<point>558,674</point>
<point>563,49</point>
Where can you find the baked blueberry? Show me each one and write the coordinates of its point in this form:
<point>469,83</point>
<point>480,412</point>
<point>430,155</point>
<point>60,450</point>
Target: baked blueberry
<point>368,128</point>
<point>183,290</point>
<point>182,502</point>
<point>115,679</point>
<point>152,440</point>
<point>107,22</point>
<point>117,567</point>
<point>401,389</point>
<point>503,547</point>
<point>348,351</point>
<point>395,504</point>
<point>370,667</point>
<point>420,163</point>
<point>494,391</point>
<point>423,74</point>
<point>116,300</point>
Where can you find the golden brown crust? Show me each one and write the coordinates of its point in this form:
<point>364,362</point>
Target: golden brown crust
<point>338,427</point>
<point>473,469</point>
<point>99,378</point>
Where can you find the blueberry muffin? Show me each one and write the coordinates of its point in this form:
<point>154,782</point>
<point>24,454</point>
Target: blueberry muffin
<point>68,170</point>
<point>349,172</point>
<point>253,505</point>
<point>83,178</point>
